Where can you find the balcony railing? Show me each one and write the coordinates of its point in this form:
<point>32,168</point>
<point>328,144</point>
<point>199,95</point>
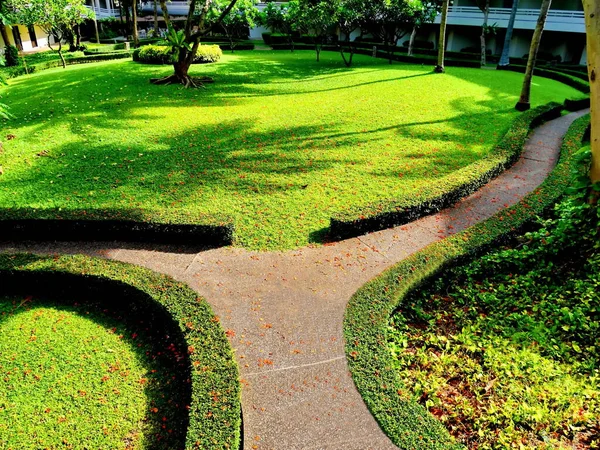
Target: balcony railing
<point>558,20</point>
<point>102,13</point>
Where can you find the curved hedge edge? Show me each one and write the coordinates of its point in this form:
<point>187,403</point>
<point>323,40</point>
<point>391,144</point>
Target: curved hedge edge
<point>390,213</point>
<point>409,425</point>
<point>570,80</point>
<point>215,410</point>
<point>122,225</point>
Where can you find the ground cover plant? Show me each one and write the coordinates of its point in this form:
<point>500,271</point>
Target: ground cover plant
<point>504,351</point>
<point>279,142</point>
<point>77,375</point>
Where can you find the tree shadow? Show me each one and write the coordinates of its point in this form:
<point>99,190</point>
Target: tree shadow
<point>166,386</point>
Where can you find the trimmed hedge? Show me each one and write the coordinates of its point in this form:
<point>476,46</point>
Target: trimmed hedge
<point>215,407</point>
<point>14,72</point>
<point>394,212</point>
<point>161,54</point>
<point>408,424</point>
<point>575,82</point>
<point>123,225</point>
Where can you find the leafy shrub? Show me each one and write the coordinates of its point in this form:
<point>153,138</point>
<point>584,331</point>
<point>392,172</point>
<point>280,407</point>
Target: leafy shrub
<point>476,50</point>
<point>108,34</point>
<point>545,56</point>
<point>153,54</point>
<point>11,56</point>
<point>208,54</point>
<point>267,38</point>
<point>159,54</point>
<point>429,45</point>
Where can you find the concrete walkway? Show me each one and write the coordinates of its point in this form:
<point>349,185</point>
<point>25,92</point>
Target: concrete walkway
<point>284,311</point>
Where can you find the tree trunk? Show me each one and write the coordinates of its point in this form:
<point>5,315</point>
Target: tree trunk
<point>4,34</point>
<point>442,40</point>
<point>504,59</point>
<point>96,23</point>
<point>156,30</point>
<point>411,41</point>
<point>592,26</point>
<point>486,13</point>
<point>523,103</point>
<point>62,58</point>
<point>136,40</point>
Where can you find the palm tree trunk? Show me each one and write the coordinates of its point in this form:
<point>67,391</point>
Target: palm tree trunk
<point>411,41</point>
<point>523,103</point>
<point>442,41</point>
<point>156,18</point>
<point>486,13</point>
<point>592,26</point>
<point>96,23</point>
<point>504,59</point>
<point>136,40</point>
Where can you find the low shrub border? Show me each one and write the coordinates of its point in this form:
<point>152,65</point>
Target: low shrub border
<point>215,408</point>
<point>409,425</point>
<point>570,80</point>
<point>124,225</point>
<point>394,212</point>
<point>14,72</point>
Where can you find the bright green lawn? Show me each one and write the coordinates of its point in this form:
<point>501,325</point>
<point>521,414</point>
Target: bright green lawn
<point>72,377</point>
<point>279,142</point>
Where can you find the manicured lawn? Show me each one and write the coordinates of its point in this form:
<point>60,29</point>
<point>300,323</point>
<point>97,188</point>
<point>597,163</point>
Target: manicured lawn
<point>73,376</point>
<point>279,142</point>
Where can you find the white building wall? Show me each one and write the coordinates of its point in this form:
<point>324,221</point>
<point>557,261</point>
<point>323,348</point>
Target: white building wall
<point>41,37</point>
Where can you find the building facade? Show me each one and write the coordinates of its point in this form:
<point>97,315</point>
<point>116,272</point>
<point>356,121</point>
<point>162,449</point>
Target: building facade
<point>26,39</point>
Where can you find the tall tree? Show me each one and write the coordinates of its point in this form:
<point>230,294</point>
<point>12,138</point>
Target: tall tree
<point>237,23</point>
<point>442,39</point>
<point>282,18</point>
<point>523,103</point>
<point>426,13</point>
<point>504,59</point>
<point>350,14</point>
<point>592,25</point>
<point>156,30</point>
<point>484,6</point>
<point>195,27</point>
<point>136,37</point>
<point>319,18</point>
<point>96,21</point>
<point>58,18</point>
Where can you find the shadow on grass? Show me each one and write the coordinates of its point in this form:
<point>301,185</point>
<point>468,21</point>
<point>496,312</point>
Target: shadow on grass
<point>240,160</point>
<point>152,336</point>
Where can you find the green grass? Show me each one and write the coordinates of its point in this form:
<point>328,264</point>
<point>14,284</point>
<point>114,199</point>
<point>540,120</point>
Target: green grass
<point>279,142</point>
<point>74,376</point>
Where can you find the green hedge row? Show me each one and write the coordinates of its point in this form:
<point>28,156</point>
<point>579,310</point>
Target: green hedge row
<point>14,72</point>
<point>124,225</point>
<point>385,214</point>
<point>408,424</point>
<point>215,407</point>
<point>570,80</point>
<point>160,54</point>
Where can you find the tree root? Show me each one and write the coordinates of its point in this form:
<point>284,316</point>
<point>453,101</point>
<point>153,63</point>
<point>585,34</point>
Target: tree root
<point>186,81</point>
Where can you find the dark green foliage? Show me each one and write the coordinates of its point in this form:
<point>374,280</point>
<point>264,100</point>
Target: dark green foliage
<point>125,225</point>
<point>367,317</point>
<point>214,411</point>
<point>381,215</point>
<point>419,44</point>
<point>11,56</point>
<point>545,56</point>
<point>159,54</point>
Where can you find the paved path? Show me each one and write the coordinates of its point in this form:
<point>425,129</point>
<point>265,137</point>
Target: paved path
<point>284,311</point>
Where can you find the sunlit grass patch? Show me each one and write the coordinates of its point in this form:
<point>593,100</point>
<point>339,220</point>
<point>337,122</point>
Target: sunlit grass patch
<point>279,142</point>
